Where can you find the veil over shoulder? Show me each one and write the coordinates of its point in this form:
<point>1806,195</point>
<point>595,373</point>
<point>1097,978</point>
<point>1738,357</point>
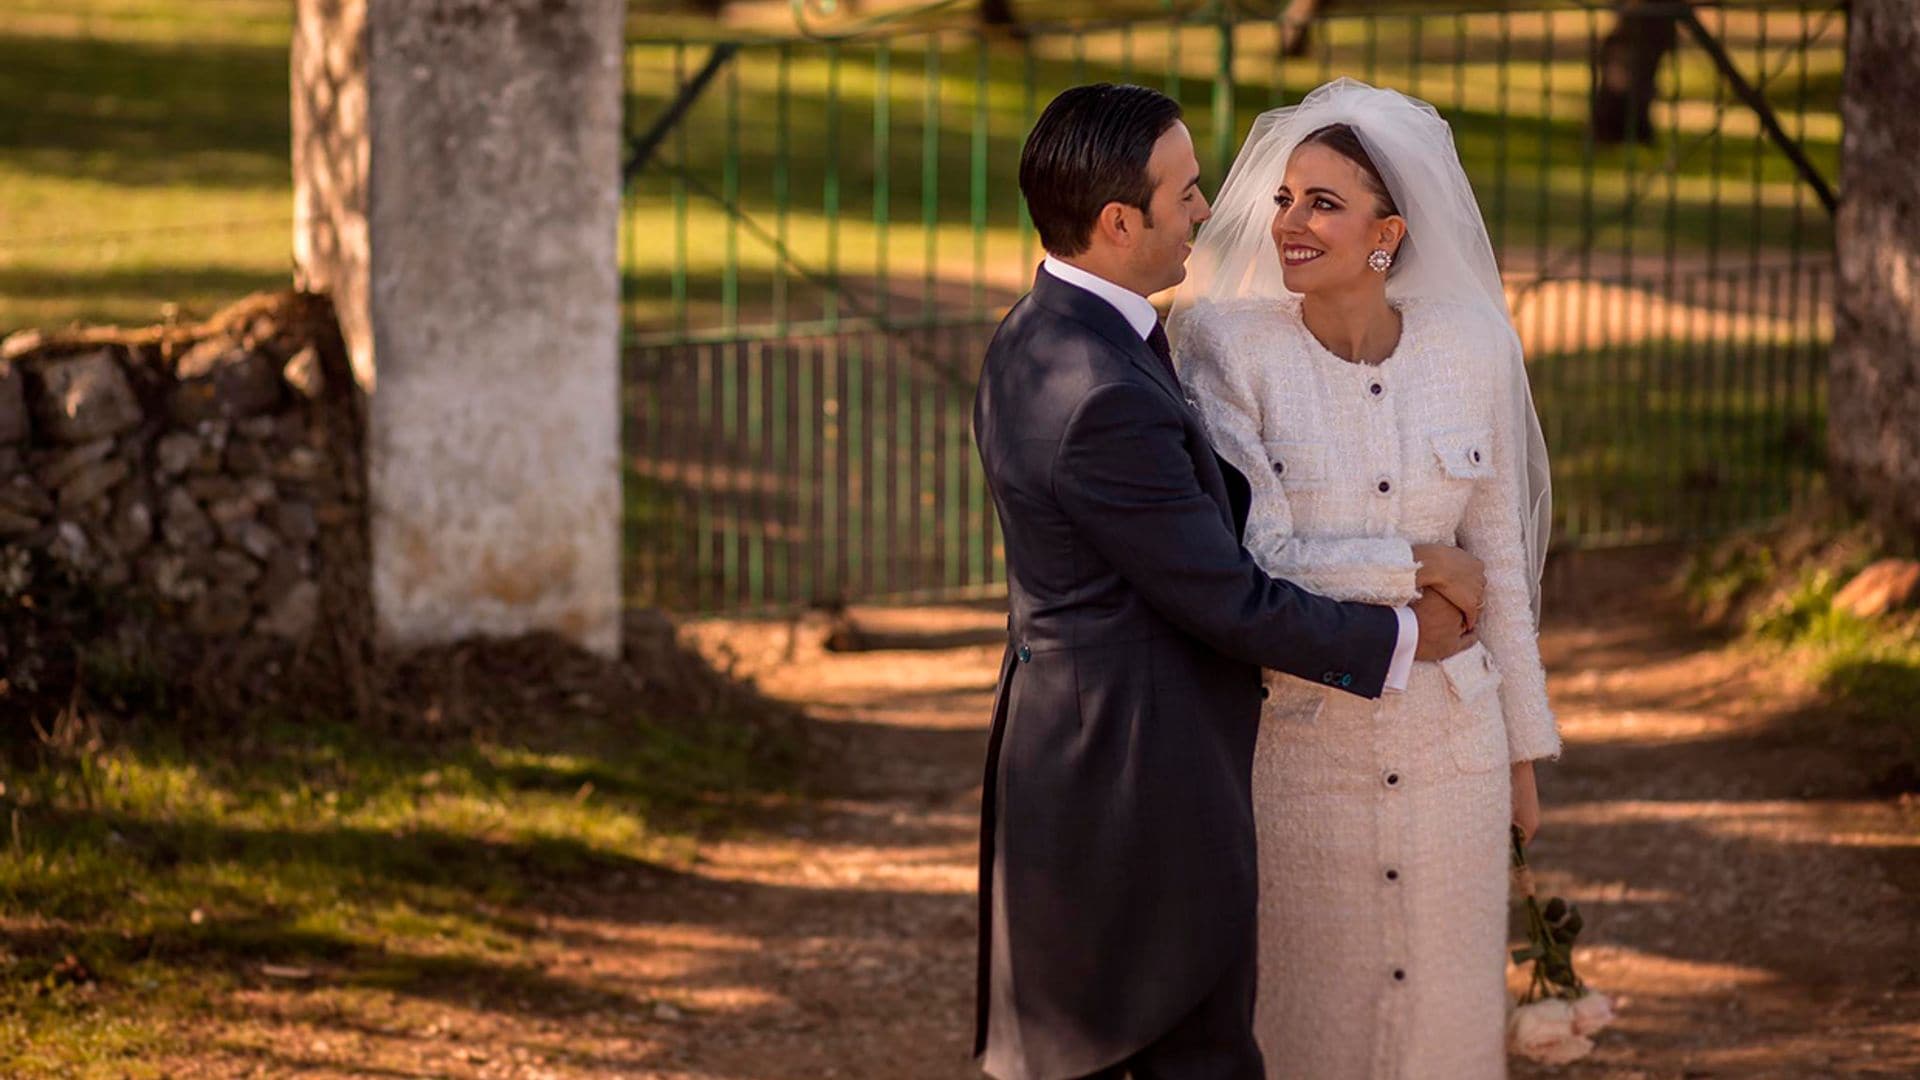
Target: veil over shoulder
<point>1446,255</point>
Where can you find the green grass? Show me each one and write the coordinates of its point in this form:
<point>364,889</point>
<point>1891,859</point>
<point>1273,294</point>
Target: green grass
<point>896,160</point>
<point>143,158</point>
<point>144,149</point>
<point>1676,437</point>
<point>1779,589</point>
<point>171,866</point>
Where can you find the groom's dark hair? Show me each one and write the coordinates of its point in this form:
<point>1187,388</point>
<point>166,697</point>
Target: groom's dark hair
<point>1090,148</point>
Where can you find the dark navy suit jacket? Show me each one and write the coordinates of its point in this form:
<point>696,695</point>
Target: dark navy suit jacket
<point>1117,799</point>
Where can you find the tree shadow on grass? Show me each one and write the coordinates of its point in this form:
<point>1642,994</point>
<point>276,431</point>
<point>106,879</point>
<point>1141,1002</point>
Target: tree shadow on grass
<point>203,114</point>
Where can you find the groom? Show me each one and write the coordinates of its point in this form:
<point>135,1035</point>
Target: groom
<point>1117,871</point>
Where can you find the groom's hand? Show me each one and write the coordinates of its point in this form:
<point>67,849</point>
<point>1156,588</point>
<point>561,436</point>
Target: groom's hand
<point>1443,628</point>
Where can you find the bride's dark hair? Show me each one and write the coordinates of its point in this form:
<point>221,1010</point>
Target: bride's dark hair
<point>1343,140</point>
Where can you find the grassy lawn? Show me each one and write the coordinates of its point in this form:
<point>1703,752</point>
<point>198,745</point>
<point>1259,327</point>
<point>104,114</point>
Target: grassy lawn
<point>148,877</point>
<point>1777,590</point>
<point>894,160</point>
<point>143,158</point>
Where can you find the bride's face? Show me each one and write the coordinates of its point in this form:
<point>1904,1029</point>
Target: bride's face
<point>1326,221</point>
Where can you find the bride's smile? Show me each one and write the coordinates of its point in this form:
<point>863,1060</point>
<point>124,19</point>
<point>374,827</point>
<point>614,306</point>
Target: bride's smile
<point>1328,217</point>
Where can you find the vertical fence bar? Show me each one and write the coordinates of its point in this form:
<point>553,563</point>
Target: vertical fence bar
<point>810,533</point>
<point>1414,26</point>
<point>782,181</point>
<point>726,518</point>
<point>753,499</point>
<point>1174,29</point>
<point>1672,349</point>
<point>781,516</point>
<point>882,352</point>
<point>703,484</point>
<point>930,175</point>
<point>1223,120</point>
<point>1717,429</point>
<point>1753,457</point>
<point>830,190</point>
<point>680,208</point>
<point>1554,422</point>
<point>1459,60</point>
<point>981,147</point>
<point>730,187</point>
<point>1582,300</point>
<point>1504,80</point>
<point>1796,280</point>
<point>1029,110</point>
<point>977,177</point>
<point>882,175</point>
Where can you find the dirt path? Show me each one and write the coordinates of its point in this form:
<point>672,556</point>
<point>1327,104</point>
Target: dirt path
<point>1749,898</point>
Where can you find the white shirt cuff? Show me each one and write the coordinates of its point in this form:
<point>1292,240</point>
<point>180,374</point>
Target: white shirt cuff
<point>1402,665</point>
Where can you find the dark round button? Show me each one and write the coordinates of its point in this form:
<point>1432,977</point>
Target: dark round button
<point>1393,779</point>
<point>1279,468</point>
<point>1393,875</point>
<point>1476,457</point>
<point>1385,486</point>
<point>1399,974</point>
<point>1264,695</point>
<point>1376,388</point>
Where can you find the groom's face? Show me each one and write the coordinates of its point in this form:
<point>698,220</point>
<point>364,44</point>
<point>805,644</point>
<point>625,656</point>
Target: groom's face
<point>1159,256</point>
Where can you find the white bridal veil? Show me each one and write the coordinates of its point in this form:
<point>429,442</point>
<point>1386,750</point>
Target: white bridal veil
<point>1446,254</point>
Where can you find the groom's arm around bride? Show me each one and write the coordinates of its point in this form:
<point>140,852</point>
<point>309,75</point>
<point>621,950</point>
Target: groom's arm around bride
<point>1118,861</point>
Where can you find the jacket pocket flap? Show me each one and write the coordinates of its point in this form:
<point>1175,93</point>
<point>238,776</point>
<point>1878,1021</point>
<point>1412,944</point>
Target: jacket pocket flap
<point>1296,462</point>
<point>1465,453</point>
<point>1470,673</point>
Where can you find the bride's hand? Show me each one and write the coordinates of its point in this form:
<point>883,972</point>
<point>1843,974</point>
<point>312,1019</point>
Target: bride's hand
<point>1526,800</point>
<point>1454,574</point>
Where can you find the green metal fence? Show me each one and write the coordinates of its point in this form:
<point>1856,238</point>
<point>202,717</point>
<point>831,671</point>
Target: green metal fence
<point>822,231</point>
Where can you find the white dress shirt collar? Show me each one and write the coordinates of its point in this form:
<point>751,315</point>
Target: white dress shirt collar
<point>1136,309</point>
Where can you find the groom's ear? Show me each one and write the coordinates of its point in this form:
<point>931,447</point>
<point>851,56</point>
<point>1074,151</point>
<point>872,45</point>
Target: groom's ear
<point>1117,224</point>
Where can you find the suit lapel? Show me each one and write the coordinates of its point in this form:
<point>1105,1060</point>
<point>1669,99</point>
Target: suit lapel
<point>1073,302</point>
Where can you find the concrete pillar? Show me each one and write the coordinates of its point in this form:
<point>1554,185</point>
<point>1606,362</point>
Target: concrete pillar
<point>457,180</point>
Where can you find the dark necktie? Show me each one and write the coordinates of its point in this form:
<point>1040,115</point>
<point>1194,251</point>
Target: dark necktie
<point>1157,341</point>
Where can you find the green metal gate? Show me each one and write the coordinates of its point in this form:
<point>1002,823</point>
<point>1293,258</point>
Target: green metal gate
<point>821,232</point>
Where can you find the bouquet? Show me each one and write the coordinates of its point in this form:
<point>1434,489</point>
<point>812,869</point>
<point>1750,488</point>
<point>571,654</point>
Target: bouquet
<point>1556,1019</point>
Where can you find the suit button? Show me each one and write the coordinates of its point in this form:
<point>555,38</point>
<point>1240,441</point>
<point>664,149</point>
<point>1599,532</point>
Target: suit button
<point>1279,468</point>
<point>1384,486</point>
<point>1025,653</point>
<point>1327,677</point>
<point>1264,694</point>
<point>1346,680</point>
<point>1392,779</point>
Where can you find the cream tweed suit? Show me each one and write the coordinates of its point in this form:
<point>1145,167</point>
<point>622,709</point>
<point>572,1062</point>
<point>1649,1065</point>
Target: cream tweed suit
<point>1382,824</point>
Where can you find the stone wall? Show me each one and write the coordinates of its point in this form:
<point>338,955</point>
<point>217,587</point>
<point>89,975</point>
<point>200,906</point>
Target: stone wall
<point>196,491</point>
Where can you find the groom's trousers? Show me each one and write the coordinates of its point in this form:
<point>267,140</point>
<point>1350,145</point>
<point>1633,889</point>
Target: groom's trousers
<point>1214,1042</point>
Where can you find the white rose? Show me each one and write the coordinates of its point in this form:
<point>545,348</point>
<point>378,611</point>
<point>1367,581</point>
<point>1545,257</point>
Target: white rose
<point>1591,1014</point>
<point>1543,1032</point>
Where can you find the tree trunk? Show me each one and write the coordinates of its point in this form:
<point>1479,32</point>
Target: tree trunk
<point>1624,71</point>
<point>1874,390</point>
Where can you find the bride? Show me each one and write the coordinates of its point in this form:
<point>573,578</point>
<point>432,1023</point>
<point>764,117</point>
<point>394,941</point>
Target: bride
<point>1344,334</point>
